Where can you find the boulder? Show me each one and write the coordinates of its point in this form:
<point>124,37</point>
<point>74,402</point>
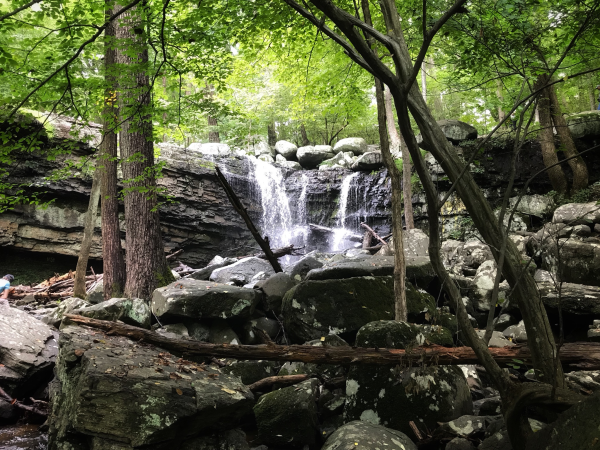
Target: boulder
<point>28,350</point>
<point>364,435</point>
<point>483,281</point>
<point>274,288</point>
<point>133,311</point>
<point>454,130</point>
<point>221,333</point>
<point>498,340</point>
<point>368,161</point>
<point>292,165</point>
<point>317,308</point>
<point>577,214</point>
<point>54,316</point>
<point>269,326</point>
<point>310,156</point>
<point>358,146</point>
<point>241,272</point>
<point>460,444</point>
<point>584,381</point>
<point>266,158</point>
<point>174,331</point>
<point>584,125</point>
<point>466,426</point>
<point>216,263</point>
<point>516,333</point>
<point>203,299</point>
<point>136,396</point>
<point>198,331</point>
<point>392,396</point>
<point>497,441</point>
<point>262,148</point>
<point>96,295</point>
<point>225,440</point>
<point>286,149</point>
<point>579,260</point>
<point>340,160</point>
<point>575,298</point>
<point>251,371</point>
<point>210,149</point>
<point>288,416</point>
<point>300,269</point>
<point>280,159</point>
<point>533,205</point>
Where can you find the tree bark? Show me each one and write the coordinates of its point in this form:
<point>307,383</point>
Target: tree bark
<point>581,355</point>
<point>501,113</point>
<point>112,252</point>
<point>88,235</point>
<point>146,264</point>
<point>556,174</point>
<point>400,308</point>
<point>303,135</point>
<point>213,131</point>
<point>578,166</point>
<point>424,80</point>
<point>272,134</point>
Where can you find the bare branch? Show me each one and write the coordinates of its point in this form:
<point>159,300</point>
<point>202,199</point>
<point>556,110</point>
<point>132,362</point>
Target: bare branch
<point>18,10</point>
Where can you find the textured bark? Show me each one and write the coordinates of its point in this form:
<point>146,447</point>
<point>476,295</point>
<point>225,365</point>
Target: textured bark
<point>146,264</point>
<point>112,253</point>
<point>583,355</point>
<point>303,135</point>
<point>388,160</point>
<point>272,134</point>
<point>424,80</point>
<point>578,166</point>
<point>88,234</point>
<point>556,174</point>
<point>213,132</point>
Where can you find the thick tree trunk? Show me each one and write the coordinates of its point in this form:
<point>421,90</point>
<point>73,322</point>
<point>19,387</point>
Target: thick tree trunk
<point>556,174</point>
<point>578,166</point>
<point>400,310</point>
<point>272,134</point>
<point>581,355</point>
<point>112,252</point>
<point>88,234</point>
<point>303,135</point>
<point>146,264</point>
<point>213,133</point>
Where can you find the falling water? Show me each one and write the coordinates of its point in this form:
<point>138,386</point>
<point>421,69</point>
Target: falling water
<point>301,229</point>
<point>341,231</point>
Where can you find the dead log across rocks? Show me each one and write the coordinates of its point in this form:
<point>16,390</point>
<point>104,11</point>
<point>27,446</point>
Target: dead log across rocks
<point>578,355</point>
<point>19,405</point>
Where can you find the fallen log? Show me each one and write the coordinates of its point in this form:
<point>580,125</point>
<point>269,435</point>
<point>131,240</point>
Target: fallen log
<point>265,383</point>
<point>241,210</point>
<point>322,229</point>
<point>375,235</point>
<point>19,405</point>
<point>578,355</point>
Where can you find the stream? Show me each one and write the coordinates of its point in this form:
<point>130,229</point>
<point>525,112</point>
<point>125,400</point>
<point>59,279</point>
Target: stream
<point>15,437</point>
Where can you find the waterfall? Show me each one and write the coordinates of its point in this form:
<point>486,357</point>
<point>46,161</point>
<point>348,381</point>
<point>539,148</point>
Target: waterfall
<point>341,231</point>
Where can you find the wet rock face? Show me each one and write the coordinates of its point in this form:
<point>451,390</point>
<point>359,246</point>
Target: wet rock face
<point>28,349</point>
<point>365,435</point>
<point>112,389</point>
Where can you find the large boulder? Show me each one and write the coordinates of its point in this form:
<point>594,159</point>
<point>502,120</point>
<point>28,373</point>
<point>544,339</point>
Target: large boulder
<point>210,149</point>
<point>274,288</point>
<point>584,125</point>
<point>54,316</point>
<point>454,130</point>
<point>578,261</point>
<point>358,146</point>
<point>288,416</point>
<point>368,161</point>
<point>28,350</point>
<point>286,149</point>
<point>574,299</point>
<point>242,271</point>
<point>216,263</point>
<point>291,165</point>
<point>300,268</point>
<point>203,299</point>
<point>364,435</point>
<point>133,396</point>
<point>533,205</point>
<point>577,214</point>
<point>133,311</point>
<point>311,156</point>
<point>342,160</point>
<point>262,148</point>
<point>392,396</point>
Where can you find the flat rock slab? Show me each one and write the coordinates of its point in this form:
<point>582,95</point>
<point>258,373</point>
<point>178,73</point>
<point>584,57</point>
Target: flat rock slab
<point>112,388</point>
<point>28,349</point>
<point>197,299</point>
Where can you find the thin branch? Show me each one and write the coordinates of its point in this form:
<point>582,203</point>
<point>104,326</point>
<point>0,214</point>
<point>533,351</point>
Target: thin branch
<point>18,10</point>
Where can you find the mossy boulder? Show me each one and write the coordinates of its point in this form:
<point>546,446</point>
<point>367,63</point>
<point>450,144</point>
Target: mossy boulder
<point>251,371</point>
<point>394,396</point>
<point>133,311</point>
<point>437,334</point>
<point>364,435</point>
<point>324,371</point>
<point>288,416</point>
<point>584,125</point>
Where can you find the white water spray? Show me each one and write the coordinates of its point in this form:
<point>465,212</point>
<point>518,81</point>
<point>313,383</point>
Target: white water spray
<point>341,232</point>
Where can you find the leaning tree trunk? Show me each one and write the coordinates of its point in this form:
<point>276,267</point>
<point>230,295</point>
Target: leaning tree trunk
<point>112,252</point>
<point>86,241</point>
<point>401,311</point>
<point>556,173</point>
<point>146,264</point>
<point>578,166</point>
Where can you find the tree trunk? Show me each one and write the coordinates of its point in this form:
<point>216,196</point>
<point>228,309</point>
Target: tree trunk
<point>88,234</point>
<point>146,264</point>
<point>391,123</point>
<point>556,174</point>
<point>578,166</point>
<point>112,253</point>
<point>303,135</point>
<point>501,113</point>
<point>272,134</point>
<point>424,80</point>
<point>213,131</point>
<point>400,310</point>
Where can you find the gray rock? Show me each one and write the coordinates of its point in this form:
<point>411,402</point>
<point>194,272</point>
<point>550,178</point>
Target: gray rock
<point>242,271</point>
<point>581,231</point>
<point>497,441</point>
<point>288,416</point>
<point>497,341</point>
<point>286,149</point>
<point>203,299</point>
<point>460,444</point>
<point>226,440</point>
<point>221,333</point>
<point>216,263</point>
<point>543,275</point>
<point>368,161</point>
<point>504,321</point>
<point>358,146</point>
<point>593,335</point>
<point>534,205</point>
<point>67,306</point>
<point>577,214</point>
<point>301,268</point>
<point>174,331</point>
<point>516,332</point>
<point>584,125</point>
<point>28,350</point>
<point>484,285</point>
<point>584,380</point>
<point>266,158</point>
<point>454,130</point>
<point>96,295</point>
<point>251,371</point>
<point>363,435</point>
<point>393,397</point>
<point>127,393</point>
<point>579,260</point>
<point>280,159</point>
<point>340,160</point>
<point>262,148</point>
<point>269,326</point>
<point>323,371</point>
<point>491,406</point>
<point>310,156</point>
<point>132,311</point>
<point>292,165</point>
<point>274,288</point>
<point>466,426</point>
<point>210,149</point>
<point>8,412</point>
<point>198,331</point>
<point>575,298</point>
